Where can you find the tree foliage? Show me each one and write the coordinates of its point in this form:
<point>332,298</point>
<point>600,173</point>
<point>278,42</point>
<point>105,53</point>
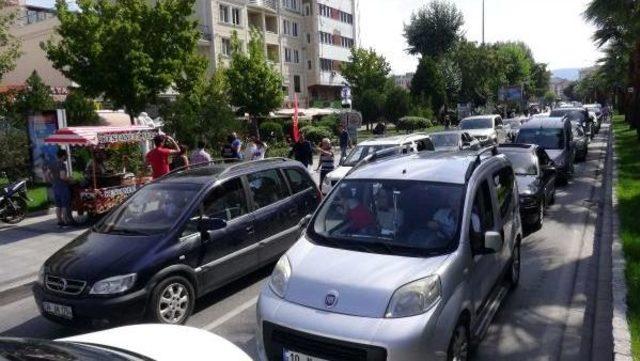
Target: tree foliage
<point>397,104</point>
<point>428,85</point>
<point>9,45</point>
<point>255,86</point>
<point>80,109</point>
<point>371,105</point>
<point>365,70</point>
<point>36,96</point>
<point>434,29</point>
<point>127,51</point>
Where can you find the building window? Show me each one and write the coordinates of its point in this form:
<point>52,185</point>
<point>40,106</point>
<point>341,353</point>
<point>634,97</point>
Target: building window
<point>294,29</point>
<point>291,4</point>
<point>326,38</point>
<point>226,46</point>
<point>308,38</point>
<point>286,27</point>
<point>235,14</point>
<point>326,64</point>
<point>287,55</point>
<point>224,14</point>
<point>324,10</point>
<point>296,56</point>
<point>346,42</point>
<point>307,10</point>
<point>296,83</point>
<point>309,64</point>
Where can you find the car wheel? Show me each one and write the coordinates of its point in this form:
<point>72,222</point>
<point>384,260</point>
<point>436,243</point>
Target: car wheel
<point>172,301</point>
<point>459,345</point>
<point>513,276</point>
<point>553,197</point>
<point>540,221</point>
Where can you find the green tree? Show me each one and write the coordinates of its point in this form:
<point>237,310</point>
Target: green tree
<point>540,80</point>
<point>516,61</point>
<point>479,70</point>
<point>434,29</point>
<point>570,91</point>
<point>397,104</point>
<point>202,113</point>
<point>254,85</point>
<point>127,51</point>
<point>428,86</point>
<point>9,45</point>
<point>366,70</point>
<point>549,97</point>
<point>371,105</point>
<point>80,109</point>
<point>35,97</point>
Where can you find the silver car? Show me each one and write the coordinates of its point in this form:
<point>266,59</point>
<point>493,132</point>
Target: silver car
<point>488,129</point>
<point>406,259</point>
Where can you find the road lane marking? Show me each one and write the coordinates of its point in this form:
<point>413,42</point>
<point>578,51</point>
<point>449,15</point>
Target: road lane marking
<point>235,312</point>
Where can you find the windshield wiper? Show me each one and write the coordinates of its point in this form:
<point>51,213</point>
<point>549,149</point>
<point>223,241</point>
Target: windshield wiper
<point>125,231</point>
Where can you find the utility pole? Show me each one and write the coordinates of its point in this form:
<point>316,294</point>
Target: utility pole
<point>482,22</point>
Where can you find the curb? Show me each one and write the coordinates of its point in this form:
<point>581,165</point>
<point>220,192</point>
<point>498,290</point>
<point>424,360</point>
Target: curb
<point>619,323</point>
<point>17,289</point>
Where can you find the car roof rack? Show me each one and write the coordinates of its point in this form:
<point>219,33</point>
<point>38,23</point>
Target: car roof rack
<point>381,154</point>
<point>493,150</point>
<point>229,164</point>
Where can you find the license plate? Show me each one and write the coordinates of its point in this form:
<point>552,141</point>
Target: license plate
<point>58,310</point>
<point>297,356</point>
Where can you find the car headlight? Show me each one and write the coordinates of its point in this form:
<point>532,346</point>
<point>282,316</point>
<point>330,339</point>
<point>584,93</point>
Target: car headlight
<point>113,285</point>
<point>40,279</point>
<point>280,277</point>
<point>414,298</point>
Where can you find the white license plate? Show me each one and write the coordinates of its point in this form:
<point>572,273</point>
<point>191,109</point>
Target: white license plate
<point>57,310</point>
<point>297,356</point>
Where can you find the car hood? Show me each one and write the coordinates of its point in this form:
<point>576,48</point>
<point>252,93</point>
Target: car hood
<point>94,256</point>
<point>159,342</point>
<point>364,282</point>
<point>527,184</point>
<point>487,132</point>
<point>338,173</point>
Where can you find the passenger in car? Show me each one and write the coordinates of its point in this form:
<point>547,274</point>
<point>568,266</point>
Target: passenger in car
<point>389,219</point>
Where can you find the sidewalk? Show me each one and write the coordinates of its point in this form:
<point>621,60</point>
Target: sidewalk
<point>25,246</point>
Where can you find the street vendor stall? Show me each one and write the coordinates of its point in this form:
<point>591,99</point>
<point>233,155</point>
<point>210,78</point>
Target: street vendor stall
<point>103,190</point>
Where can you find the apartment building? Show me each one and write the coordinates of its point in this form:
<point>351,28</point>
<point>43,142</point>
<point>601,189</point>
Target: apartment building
<point>306,40</point>
<point>403,80</point>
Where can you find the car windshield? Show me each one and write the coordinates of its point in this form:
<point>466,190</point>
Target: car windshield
<point>399,217</point>
<point>523,163</point>
<point>476,123</point>
<point>28,349</point>
<point>571,114</point>
<point>361,151</point>
<point>153,209</point>
<point>445,140</point>
<point>547,138</point>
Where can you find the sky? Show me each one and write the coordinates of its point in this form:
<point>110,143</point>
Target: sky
<point>554,29</point>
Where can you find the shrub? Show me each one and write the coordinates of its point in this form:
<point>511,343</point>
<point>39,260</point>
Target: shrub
<point>14,147</point>
<point>411,124</point>
<point>315,134</point>
<point>288,126</point>
<point>271,131</point>
<point>280,149</point>
<point>331,122</point>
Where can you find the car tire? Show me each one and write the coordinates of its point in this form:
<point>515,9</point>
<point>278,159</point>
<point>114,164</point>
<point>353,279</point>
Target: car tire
<point>513,275</point>
<point>552,201</point>
<point>540,220</point>
<point>460,345</point>
<point>172,301</point>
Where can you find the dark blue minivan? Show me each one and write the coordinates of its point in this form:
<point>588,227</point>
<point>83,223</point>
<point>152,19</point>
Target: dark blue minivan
<point>176,239</point>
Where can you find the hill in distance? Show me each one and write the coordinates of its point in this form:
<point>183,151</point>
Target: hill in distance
<point>566,73</point>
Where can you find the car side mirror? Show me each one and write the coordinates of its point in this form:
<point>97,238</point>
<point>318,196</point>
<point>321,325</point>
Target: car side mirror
<point>212,224</point>
<point>493,242</point>
<point>304,221</point>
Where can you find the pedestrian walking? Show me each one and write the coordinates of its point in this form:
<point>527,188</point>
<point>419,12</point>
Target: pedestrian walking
<point>231,149</point>
<point>345,142</point>
<point>180,160</point>
<point>200,155</point>
<point>57,175</point>
<point>255,149</point>
<point>158,158</point>
<point>327,160</point>
<point>302,151</point>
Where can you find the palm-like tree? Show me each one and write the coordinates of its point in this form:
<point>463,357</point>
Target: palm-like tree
<point>618,23</point>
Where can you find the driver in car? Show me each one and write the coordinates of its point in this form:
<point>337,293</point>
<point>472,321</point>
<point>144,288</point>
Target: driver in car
<point>359,218</point>
<point>445,218</point>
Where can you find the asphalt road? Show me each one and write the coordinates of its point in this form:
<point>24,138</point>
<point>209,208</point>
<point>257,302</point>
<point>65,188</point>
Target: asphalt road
<point>541,320</point>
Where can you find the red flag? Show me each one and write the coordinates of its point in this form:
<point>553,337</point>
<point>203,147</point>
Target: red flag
<point>296,132</point>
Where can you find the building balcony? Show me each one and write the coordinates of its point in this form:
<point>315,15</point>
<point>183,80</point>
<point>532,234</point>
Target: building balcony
<point>271,5</point>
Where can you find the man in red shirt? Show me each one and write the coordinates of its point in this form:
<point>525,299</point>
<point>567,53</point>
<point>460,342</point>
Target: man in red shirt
<point>158,158</point>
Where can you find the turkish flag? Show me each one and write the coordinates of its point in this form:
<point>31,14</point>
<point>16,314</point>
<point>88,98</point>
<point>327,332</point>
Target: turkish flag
<point>296,132</point>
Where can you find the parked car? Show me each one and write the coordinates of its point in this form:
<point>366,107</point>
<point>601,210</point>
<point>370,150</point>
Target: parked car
<point>536,178</point>
<point>404,260</point>
<point>139,342</point>
<point>488,129</point>
<point>555,136</point>
<point>576,114</point>
<point>581,140</point>
<point>454,140</point>
<point>175,240</point>
<point>512,127</point>
<point>411,143</point>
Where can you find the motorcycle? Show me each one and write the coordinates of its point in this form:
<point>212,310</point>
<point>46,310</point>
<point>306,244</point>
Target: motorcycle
<point>13,201</point>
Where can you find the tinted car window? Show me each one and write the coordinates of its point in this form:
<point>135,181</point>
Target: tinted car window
<point>226,201</point>
<point>548,138</point>
<point>267,187</point>
<point>481,216</point>
<point>504,182</point>
<point>299,182</point>
<point>153,209</point>
<point>524,163</point>
<point>481,123</point>
<point>390,216</point>
<point>361,151</point>
<point>446,140</point>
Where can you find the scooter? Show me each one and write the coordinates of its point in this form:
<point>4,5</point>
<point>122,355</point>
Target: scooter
<point>13,201</point>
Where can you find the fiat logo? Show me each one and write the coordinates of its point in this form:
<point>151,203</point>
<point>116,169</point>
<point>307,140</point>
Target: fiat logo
<point>331,299</point>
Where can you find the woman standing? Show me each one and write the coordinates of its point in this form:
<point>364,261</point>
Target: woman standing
<point>180,160</point>
<point>327,159</point>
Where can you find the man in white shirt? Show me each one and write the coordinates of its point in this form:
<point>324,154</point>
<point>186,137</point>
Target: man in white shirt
<point>200,155</point>
<point>445,219</point>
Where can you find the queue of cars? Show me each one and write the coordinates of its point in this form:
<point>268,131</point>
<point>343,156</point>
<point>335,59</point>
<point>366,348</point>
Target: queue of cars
<point>416,242</point>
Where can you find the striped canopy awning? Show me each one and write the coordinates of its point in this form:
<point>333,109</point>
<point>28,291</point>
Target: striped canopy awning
<point>97,136</point>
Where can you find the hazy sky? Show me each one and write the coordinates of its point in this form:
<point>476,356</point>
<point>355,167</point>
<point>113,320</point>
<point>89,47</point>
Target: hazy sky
<point>554,29</point>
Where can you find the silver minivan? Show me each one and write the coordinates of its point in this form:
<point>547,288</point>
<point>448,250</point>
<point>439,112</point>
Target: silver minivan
<point>406,259</point>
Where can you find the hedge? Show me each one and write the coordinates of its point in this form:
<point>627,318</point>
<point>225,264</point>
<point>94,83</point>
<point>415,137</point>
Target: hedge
<point>315,134</point>
<point>411,124</point>
<point>271,131</point>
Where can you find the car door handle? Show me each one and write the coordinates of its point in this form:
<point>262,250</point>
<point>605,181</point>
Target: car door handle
<point>249,229</point>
